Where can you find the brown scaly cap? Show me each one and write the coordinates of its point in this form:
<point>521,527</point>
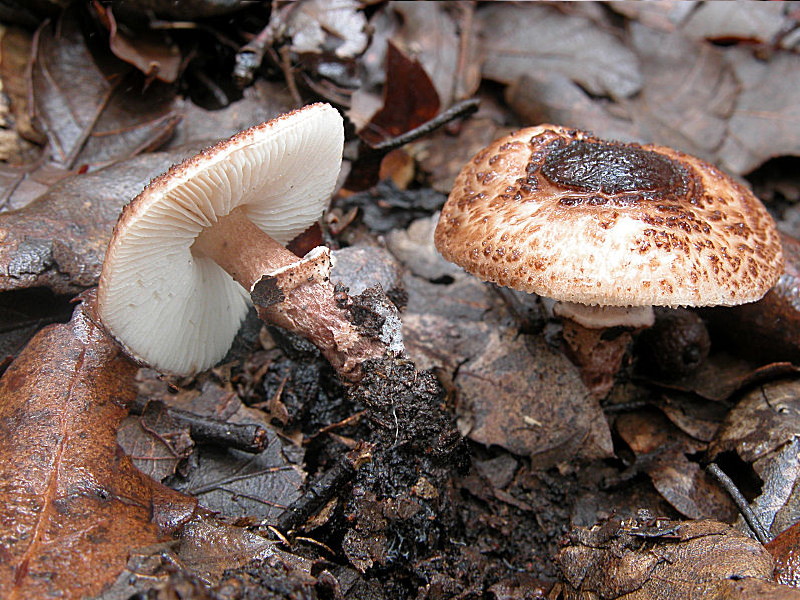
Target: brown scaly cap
<point>560,213</point>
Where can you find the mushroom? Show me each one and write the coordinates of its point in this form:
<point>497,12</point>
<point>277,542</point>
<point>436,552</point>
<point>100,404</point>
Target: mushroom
<point>607,229</point>
<point>187,252</point>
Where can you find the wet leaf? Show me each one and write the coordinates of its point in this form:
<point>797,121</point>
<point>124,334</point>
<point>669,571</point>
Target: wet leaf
<point>784,549</point>
<point>59,240</point>
<point>209,547</point>
<point>665,559</point>
<point>240,484</point>
<point>72,504</point>
<point>22,314</point>
<point>155,441</point>
<point>533,38</point>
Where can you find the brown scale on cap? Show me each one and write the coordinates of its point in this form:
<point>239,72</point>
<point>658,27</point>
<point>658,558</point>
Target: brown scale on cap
<point>560,213</point>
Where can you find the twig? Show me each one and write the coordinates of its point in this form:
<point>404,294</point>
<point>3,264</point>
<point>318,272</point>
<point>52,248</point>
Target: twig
<point>324,488</point>
<point>458,110</point>
<point>741,502</point>
<point>247,437</point>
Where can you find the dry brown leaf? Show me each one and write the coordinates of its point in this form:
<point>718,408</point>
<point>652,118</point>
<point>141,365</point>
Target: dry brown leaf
<point>520,394</point>
<point>72,505</point>
<point>762,431</point>
<point>662,452</point>
<point>666,15</point>
<point>155,55</point>
<point>428,31</point>
<point>688,92</point>
<point>660,560</point>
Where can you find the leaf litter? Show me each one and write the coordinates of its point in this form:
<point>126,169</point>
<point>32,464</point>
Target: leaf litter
<point>424,513</point>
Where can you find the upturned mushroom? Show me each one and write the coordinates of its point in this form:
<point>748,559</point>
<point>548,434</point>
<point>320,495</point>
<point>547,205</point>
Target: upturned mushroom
<point>188,251</point>
<point>607,229</point>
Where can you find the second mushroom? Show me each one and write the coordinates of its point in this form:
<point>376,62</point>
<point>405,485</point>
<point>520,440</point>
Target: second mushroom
<point>189,250</point>
<point>608,230</point>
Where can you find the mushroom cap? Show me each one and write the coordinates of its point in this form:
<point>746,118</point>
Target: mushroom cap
<point>560,213</point>
<point>179,312</point>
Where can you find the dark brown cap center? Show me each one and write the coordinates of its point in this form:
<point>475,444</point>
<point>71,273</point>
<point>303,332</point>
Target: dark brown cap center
<point>614,169</point>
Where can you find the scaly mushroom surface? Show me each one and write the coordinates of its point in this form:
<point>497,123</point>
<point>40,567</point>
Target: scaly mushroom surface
<point>607,229</point>
<point>560,213</point>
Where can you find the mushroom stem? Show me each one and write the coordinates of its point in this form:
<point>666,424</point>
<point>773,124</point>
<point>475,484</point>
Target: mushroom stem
<point>309,309</point>
<point>245,252</point>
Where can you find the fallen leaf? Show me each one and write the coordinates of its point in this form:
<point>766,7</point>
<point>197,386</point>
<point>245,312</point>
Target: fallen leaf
<point>155,441</point>
<point>662,452</point>
<point>314,22</point>
<point>660,560</point>
<point>428,31</point>
<point>15,51</point>
<point>533,38</point>
<point>756,21</point>
<point>763,123</point>
<point>208,547</point>
<point>784,549</point>
<point>660,14</point>
<point>22,314</point>
<point>262,101</point>
<point>75,100</point>
<point>688,93</point>
<point>761,430</point>
<point>384,207</point>
<point>552,97</point>
<point>73,505</point>
<point>409,98</point>
<point>59,240</point>
<point>155,55</point>
<point>241,484</point>
<point>517,393</point>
